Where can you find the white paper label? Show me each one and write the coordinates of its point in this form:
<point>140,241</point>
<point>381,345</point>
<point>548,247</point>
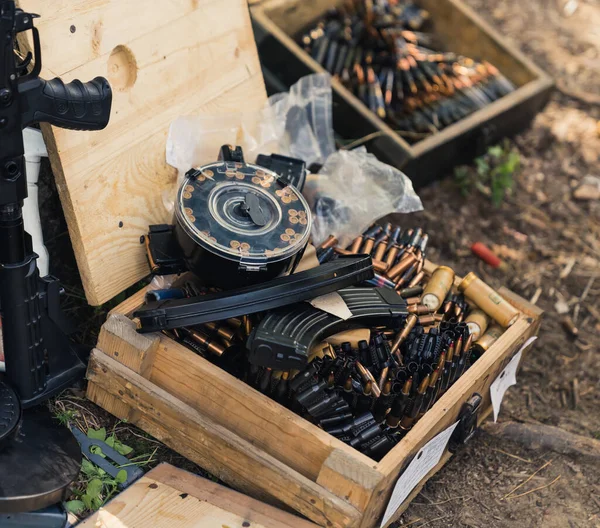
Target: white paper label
<point>507,378</point>
<point>334,304</point>
<point>425,460</point>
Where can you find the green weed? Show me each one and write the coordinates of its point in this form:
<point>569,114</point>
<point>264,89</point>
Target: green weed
<point>492,174</point>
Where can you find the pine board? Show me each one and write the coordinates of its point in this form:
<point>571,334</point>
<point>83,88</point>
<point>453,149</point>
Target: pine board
<point>164,59</point>
<point>168,497</point>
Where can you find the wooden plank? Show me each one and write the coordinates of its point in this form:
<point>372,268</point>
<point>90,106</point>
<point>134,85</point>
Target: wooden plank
<point>129,305</point>
<point>120,340</point>
<point>224,454</point>
<point>252,415</point>
<point>164,60</point>
<point>107,401</point>
<point>168,497</point>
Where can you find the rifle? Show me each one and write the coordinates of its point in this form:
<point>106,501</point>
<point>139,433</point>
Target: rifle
<point>40,358</point>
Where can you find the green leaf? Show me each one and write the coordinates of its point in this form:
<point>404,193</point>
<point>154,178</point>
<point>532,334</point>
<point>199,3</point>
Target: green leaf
<point>75,507</point>
<point>122,448</point>
<point>87,501</point>
<point>96,503</point>
<point>110,441</point>
<point>483,167</point>
<point>496,151</point>
<point>94,488</point>
<point>97,450</point>
<point>97,434</point>
<point>88,468</point>
<point>121,476</point>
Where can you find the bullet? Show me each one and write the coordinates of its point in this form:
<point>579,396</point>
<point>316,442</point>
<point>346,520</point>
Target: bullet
<point>380,249</point>
<point>488,300</point>
<point>410,323</point>
<point>356,245</point>
<point>367,376</point>
<point>391,254</point>
<point>401,267</point>
<point>438,287</point>
<point>411,291</point>
<point>416,279</point>
<point>221,330</point>
<point>477,322</point>
<point>399,405</point>
<point>206,342</point>
<point>331,241</point>
<point>379,266</point>
<point>419,309</point>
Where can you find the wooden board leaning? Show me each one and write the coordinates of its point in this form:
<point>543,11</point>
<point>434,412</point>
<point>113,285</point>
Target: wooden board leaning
<point>163,61</point>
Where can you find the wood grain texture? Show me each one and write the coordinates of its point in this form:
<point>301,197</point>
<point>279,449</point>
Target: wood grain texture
<point>164,60</point>
<point>119,339</point>
<point>254,416</point>
<point>168,497</point>
<point>210,444</point>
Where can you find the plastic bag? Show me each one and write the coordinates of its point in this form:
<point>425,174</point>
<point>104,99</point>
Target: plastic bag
<point>306,113</point>
<point>297,124</point>
<point>353,190</point>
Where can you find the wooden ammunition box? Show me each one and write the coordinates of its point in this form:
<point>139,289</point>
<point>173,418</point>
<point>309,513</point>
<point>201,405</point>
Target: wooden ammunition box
<point>258,446</point>
<point>278,23</point>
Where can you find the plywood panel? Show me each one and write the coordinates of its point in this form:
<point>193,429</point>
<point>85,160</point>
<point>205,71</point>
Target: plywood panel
<point>168,497</point>
<point>164,59</point>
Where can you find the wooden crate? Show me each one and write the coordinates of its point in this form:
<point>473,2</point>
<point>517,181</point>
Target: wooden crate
<point>168,495</point>
<point>256,445</point>
<point>277,23</point>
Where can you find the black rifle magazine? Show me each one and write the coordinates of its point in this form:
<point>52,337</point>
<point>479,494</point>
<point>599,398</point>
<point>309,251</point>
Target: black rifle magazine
<point>284,337</point>
<point>176,313</point>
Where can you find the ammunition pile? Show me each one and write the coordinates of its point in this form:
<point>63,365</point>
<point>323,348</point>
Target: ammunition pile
<point>370,392</point>
<point>377,49</point>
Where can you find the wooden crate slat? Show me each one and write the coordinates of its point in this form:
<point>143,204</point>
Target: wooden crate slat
<point>224,454</point>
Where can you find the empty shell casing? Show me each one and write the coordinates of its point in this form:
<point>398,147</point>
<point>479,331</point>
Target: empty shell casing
<point>477,322</point>
<point>488,300</point>
<point>437,288</point>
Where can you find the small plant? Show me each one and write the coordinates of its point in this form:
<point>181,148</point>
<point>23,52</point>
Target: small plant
<point>96,486</point>
<point>492,174</point>
<point>65,416</point>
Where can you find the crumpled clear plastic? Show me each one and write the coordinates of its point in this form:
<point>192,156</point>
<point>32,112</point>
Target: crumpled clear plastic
<point>298,123</point>
<point>353,190</point>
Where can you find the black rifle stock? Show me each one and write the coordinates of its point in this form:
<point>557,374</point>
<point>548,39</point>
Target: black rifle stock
<point>40,359</point>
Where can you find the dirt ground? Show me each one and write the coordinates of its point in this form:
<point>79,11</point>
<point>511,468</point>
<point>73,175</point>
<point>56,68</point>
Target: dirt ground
<point>552,243</point>
<point>560,149</point>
